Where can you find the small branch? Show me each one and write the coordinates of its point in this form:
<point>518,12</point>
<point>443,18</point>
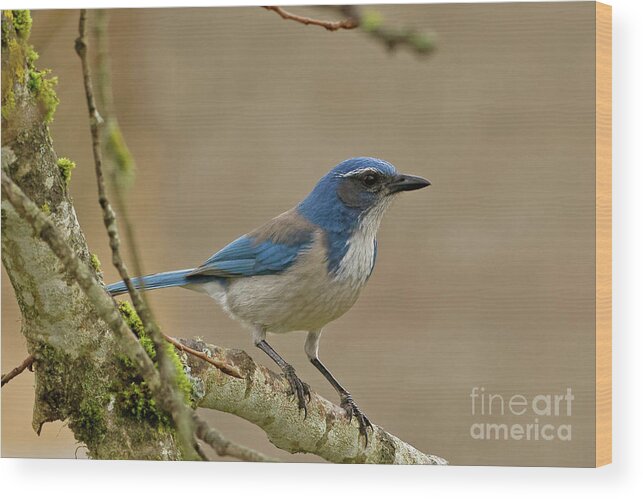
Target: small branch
<point>199,451</point>
<point>176,407</point>
<point>229,369</point>
<point>370,23</point>
<point>17,370</point>
<point>103,81</point>
<point>348,23</point>
<point>106,98</point>
<point>182,415</point>
<point>103,304</point>
<point>225,447</point>
<point>120,160</point>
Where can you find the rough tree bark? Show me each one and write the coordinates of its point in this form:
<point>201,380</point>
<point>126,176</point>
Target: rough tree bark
<point>81,374</point>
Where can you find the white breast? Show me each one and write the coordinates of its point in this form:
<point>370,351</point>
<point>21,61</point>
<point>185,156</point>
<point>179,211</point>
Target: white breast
<point>357,264</point>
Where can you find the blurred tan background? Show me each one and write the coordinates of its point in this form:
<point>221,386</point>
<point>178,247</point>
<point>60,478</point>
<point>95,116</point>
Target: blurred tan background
<point>485,279</point>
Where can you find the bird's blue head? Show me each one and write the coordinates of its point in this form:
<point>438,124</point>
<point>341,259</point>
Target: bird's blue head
<point>354,188</point>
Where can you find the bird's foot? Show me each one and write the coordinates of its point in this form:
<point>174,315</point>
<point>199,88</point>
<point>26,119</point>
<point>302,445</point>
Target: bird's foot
<point>297,388</point>
<point>351,409</point>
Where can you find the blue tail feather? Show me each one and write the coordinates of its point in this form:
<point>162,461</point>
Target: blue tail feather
<point>154,281</point>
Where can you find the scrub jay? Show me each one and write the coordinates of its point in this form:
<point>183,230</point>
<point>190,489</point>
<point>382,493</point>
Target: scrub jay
<point>304,268</point>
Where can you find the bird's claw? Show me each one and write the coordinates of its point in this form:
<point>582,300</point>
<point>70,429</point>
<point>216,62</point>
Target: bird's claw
<point>297,388</point>
<point>351,409</point>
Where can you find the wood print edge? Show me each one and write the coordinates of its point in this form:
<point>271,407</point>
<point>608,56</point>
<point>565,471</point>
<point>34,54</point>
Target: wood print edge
<point>603,234</point>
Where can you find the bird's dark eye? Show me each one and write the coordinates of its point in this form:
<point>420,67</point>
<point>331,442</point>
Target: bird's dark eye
<point>369,180</point>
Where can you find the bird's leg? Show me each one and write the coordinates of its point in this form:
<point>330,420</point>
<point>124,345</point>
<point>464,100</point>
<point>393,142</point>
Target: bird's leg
<point>346,400</point>
<point>298,388</point>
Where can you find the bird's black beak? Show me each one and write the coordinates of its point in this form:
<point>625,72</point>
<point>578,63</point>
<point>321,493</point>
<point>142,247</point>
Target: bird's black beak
<point>407,183</point>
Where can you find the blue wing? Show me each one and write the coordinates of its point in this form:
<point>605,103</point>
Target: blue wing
<point>269,250</point>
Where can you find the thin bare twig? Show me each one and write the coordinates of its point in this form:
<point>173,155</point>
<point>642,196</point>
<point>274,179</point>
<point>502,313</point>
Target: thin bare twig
<point>104,305</point>
<point>19,369</point>
<point>106,98</point>
<point>182,415</point>
<point>225,447</point>
<point>200,452</point>
<point>121,170</point>
<point>370,23</point>
<point>229,369</point>
<point>349,23</point>
<point>178,410</point>
<point>104,92</point>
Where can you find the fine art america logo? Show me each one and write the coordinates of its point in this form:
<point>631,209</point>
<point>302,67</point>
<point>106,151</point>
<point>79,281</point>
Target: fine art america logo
<point>540,417</point>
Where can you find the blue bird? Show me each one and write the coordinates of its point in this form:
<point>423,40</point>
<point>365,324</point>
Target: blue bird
<point>304,268</point>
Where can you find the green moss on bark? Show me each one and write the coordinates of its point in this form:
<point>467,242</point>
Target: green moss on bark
<point>13,70</point>
<point>89,424</point>
<point>66,165</point>
<point>95,263</point>
<point>133,397</point>
<point>22,22</point>
<point>42,88</point>
<point>18,67</point>
<point>80,399</point>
